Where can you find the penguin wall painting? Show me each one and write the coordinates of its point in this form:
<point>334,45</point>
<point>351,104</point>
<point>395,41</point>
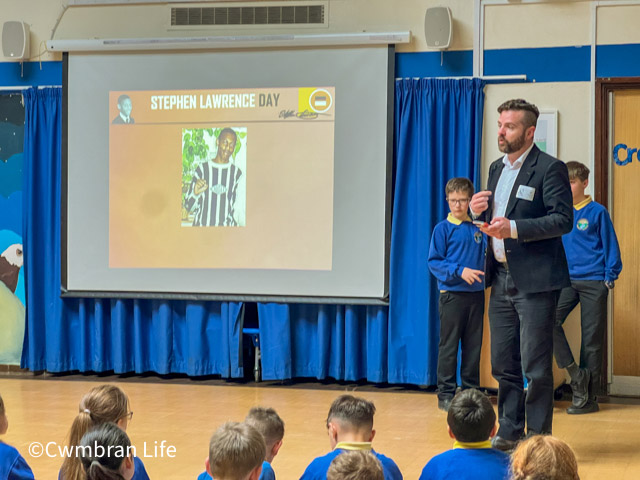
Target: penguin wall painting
<point>12,311</point>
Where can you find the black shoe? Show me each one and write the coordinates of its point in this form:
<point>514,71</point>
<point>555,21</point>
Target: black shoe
<point>580,388</point>
<point>503,444</point>
<point>444,404</point>
<point>590,407</point>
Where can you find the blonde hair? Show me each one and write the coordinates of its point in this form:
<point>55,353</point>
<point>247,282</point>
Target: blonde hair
<point>543,457</point>
<point>268,423</point>
<point>235,449</point>
<point>355,465</point>
<point>105,403</point>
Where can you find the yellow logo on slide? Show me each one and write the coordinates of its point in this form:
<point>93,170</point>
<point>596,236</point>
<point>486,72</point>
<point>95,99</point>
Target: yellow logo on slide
<point>316,100</point>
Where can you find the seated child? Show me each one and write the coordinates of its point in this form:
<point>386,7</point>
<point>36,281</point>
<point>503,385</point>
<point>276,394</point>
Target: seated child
<point>271,426</point>
<point>236,452</point>
<point>355,465</point>
<point>106,453</point>
<point>472,422</point>
<point>544,456</point>
<point>102,404</point>
<point>12,465</point>
<point>350,427</point>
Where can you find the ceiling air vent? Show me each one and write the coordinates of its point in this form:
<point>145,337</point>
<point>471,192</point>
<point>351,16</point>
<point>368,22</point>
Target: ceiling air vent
<point>248,15</point>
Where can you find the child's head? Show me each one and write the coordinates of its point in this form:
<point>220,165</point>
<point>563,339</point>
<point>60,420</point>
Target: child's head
<point>544,457</point>
<point>236,452</point>
<point>459,191</point>
<point>101,404</point>
<point>350,419</point>
<point>106,453</point>
<point>579,179</point>
<point>471,417</point>
<point>355,465</point>
<point>270,425</point>
<point>4,421</point>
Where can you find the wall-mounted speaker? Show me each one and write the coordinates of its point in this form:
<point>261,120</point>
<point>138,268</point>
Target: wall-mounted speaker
<point>437,27</point>
<point>15,40</point>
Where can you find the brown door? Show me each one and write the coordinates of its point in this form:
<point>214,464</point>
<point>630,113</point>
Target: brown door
<point>619,187</point>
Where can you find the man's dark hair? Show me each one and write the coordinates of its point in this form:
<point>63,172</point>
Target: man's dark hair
<point>578,170</point>
<point>122,98</point>
<point>531,112</point>
<point>228,131</point>
<point>459,184</point>
<point>353,411</point>
<point>471,416</point>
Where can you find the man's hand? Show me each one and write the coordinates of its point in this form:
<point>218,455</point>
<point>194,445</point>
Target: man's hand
<point>609,284</point>
<point>469,275</point>
<point>201,186</point>
<point>480,202</point>
<point>500,227</point>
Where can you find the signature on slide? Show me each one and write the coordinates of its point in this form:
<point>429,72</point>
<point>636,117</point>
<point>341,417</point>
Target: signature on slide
<point>292,113</point>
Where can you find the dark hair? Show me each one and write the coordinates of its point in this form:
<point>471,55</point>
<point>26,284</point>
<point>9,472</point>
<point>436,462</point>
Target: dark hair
<point>1,406</point>
<point>228,131</point>
<point>102,451</point>
<point>355,465</point>
<point>353,411</point>
<point>268,423</point>
<point>122,98</point>
<point>578,170</point>
<point>531,112</point>
<point>459,184</point>
<point>471,416</point>
<point>235,449</point>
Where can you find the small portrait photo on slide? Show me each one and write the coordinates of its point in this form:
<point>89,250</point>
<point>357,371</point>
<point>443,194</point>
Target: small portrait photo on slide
<point>124,108</point>
<point>214,170</point>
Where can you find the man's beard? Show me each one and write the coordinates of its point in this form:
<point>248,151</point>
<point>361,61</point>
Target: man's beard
<point>510,147</point>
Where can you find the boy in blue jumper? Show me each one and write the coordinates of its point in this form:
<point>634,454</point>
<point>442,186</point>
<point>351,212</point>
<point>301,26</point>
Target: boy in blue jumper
<point>350,427</point>
<point>270,425</point>
<point>457,260</point>
<point>472,423</point>
<point>594,262</point>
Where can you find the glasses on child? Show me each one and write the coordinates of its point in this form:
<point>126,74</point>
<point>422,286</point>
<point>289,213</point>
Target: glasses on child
<point>128,416</point>
<point>458,201</point>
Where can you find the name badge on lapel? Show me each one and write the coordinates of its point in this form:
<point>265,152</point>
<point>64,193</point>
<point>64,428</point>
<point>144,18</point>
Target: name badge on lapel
<point>526,193</point>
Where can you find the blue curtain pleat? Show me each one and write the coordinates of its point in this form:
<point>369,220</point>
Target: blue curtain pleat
<point>438,132</point>
<point>85,334</point>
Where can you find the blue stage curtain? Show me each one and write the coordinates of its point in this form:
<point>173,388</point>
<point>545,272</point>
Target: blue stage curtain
<point>196,338</point>
<point>438,132</point>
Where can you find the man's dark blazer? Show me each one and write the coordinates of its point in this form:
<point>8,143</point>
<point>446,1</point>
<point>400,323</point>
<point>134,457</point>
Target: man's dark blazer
<point>119,121</point>
<point>536,259</point>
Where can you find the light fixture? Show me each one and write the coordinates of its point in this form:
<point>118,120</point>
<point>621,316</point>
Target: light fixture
<point>226,42</point>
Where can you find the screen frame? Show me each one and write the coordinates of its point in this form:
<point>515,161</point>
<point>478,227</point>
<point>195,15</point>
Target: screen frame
<point>222,296</point>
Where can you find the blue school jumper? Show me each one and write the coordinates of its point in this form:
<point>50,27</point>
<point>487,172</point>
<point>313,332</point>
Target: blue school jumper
<point>317,469</point>
<point>12,465</point>
<point>592,246</point>
<point>267,473</point>
<point>140,473</point>
<point>468,461</point>
<point>456,244</point>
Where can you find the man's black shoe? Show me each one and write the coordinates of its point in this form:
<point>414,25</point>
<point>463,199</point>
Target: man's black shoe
<point>503,444</point>
<point>590,407</point>
<point>444,404</point>
<point>580,388</point>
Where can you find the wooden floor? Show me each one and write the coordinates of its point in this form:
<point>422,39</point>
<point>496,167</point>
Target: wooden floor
<point>184,413</point>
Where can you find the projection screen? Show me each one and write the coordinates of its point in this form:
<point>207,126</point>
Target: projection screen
<point>236,174</point>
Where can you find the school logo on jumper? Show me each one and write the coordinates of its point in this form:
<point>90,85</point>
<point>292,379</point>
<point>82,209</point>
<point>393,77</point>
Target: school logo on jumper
<point>477,237</point>
<point>582,224</point>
